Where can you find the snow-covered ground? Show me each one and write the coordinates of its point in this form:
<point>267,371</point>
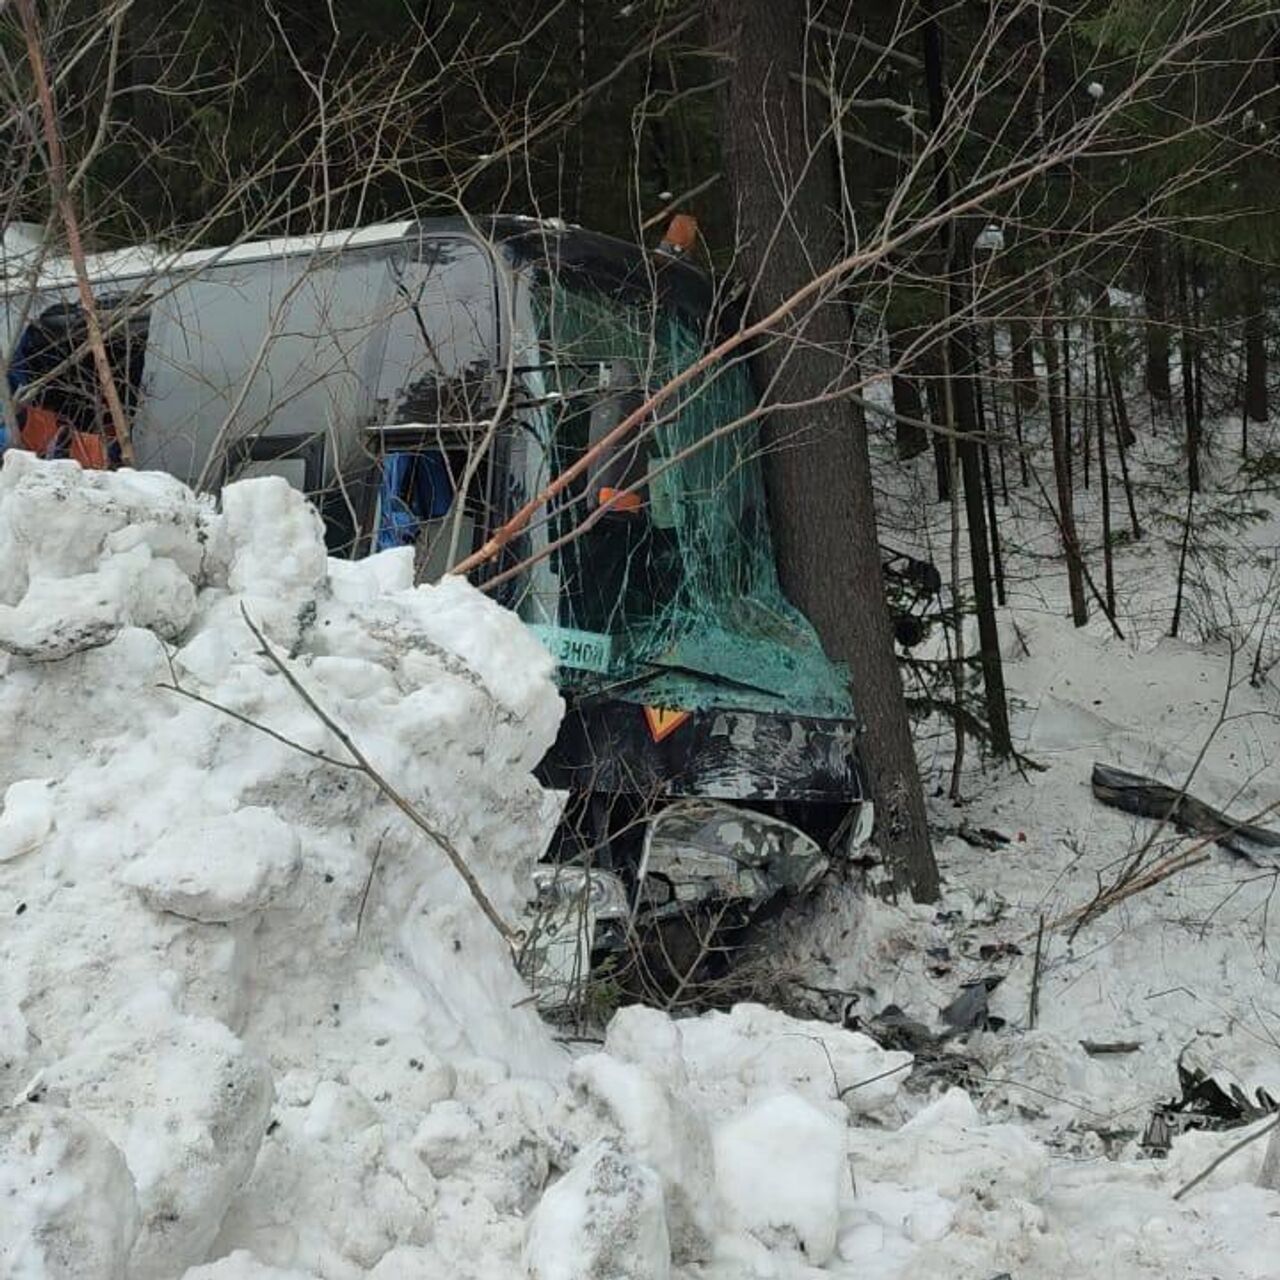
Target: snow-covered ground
<point>254,1026</point>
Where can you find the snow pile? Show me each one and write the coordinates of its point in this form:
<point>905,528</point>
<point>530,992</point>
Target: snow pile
<point>253,1026</point>
<point>252,1018</point>
<point>229,966</point>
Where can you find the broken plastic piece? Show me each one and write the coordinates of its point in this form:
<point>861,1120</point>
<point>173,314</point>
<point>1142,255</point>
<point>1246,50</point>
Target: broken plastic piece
<point>1148,798</point>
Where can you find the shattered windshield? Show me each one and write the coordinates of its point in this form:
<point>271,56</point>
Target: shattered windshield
<point>670,592</point>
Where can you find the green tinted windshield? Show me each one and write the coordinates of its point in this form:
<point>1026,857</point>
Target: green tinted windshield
<point>671,597</point>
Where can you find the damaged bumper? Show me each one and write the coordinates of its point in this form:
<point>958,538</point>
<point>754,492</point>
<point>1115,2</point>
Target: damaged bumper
<point>697,857</point>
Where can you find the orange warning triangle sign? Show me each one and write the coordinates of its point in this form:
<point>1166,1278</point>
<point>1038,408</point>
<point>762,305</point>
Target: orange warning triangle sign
<point>664,721</point>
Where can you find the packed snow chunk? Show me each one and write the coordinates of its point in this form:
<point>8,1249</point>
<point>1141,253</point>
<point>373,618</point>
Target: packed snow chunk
<point>219,869</point>
<point>446,1138</point>
<point>26,817</point>
<point>196,894</point>
<point>400,1069</point>
<point>242,1265</point>
<point>1269,1173</point>
<point>16,1044</point>
<point>604,1220</point>
<point>58,617</point>
<point>85,554</point>
<point>187,1104</point>
<point>782,1170</point>
<point>274,541</point>
<point>650,1039</point>
<point>663,1131</point>
<point>513,664</point>
<point>324,1196</point>
<point>67,1205</point>
<point>57,521</point>
<point>966,1156</point>
<point>753,1052</point>
<point>363,581</point>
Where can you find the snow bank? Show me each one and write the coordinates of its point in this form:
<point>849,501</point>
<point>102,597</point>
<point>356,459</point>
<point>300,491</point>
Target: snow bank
<point>253,1026</point>
<point>233,978</point>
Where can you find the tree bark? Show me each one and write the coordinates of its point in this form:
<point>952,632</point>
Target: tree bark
<point>932,367</point>
<point>909,439</point>
<point>961,381</point>
<point>1064,373</point>
<point>1156,297</point>
<point>1189,399</point>
<point>1115,384</point>
<point>1024,365</point>
<point>1066,505</point>
<point>1108,559</point>
<point>1255,352</point>
<point>818,467</point>
<point>988,481</point>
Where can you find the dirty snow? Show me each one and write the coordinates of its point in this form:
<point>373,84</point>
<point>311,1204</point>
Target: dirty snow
<point>253,1027</point>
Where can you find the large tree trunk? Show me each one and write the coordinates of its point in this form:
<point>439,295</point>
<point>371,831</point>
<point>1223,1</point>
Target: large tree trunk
<point>933,371</point>
<point>818,465</point>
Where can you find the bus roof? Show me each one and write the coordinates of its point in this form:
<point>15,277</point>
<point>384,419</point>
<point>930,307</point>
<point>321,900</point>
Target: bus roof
<point>149,260</point>
<point>566,246</point>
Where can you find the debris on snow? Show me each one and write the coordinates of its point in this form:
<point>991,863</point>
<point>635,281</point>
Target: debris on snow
<point>1147,798</point>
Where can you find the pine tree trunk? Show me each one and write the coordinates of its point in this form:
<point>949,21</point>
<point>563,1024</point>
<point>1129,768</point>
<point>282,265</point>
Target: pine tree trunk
<point>963,365</point>
<point>988,482</point>
<point>1122,449</point>
<point>1197,326</point>
<point>818,465</point>
<point>909,439</point>
<point>993,381</point>
<point>1119,409</point>
<point>1104,480</point>
<point>979,552</point>
<point>1255,353</point>
<point>1018,436</point>
<point>933,372</point>
<point>1189,402</point>
<point>1066,505</point>
<point>1086,404</point>
<point>1156,296</point>
<point>1067,428</point>
<point>1024,365</point>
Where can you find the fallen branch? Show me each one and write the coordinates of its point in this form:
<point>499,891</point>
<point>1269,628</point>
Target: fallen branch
<point>1101,1048</point>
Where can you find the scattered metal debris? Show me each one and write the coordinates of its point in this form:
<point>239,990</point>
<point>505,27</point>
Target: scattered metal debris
<point>969,1012</point>
<point>1147,798</point>
<point>1204,1104</point>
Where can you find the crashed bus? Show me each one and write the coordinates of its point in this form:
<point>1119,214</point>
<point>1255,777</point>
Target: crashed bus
<point>421,382</point>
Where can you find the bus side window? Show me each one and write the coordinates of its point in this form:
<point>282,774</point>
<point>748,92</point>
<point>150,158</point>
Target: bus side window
<point>62,409</point>
<point>434,390</point>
